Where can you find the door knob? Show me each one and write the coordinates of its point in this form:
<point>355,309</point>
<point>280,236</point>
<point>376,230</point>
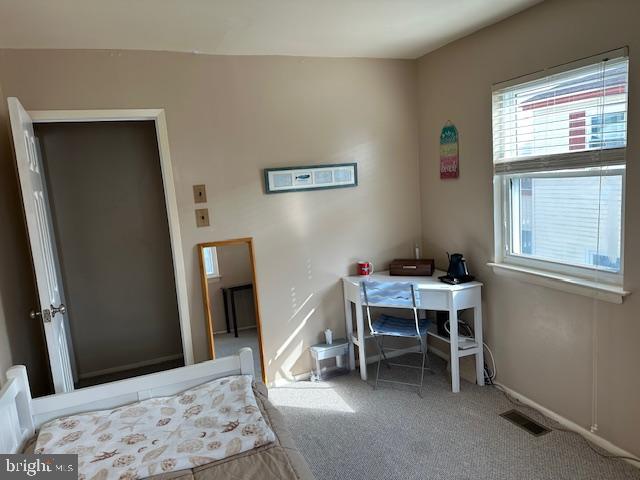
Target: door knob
<point>61,310</point>
<point>44,314</point>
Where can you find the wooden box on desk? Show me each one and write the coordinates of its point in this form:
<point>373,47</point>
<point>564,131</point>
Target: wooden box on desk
<point>412,267</point>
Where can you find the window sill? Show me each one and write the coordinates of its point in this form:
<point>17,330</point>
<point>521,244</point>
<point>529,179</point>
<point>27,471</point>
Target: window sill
<point>565,283</point>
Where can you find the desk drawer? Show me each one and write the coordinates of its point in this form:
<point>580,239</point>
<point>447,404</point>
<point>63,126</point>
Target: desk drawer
<point>434,300</point>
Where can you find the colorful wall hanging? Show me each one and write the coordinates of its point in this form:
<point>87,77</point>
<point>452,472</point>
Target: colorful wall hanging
<point>449,159</point>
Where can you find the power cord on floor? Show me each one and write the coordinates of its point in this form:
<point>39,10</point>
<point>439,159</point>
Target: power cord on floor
<point>518,403</point>
<point>490,374</point>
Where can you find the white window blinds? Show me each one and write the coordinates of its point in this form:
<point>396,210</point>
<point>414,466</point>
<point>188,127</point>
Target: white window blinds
<point>571,117</point>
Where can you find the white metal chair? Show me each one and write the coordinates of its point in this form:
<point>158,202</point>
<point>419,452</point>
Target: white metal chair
<point>395,295</point>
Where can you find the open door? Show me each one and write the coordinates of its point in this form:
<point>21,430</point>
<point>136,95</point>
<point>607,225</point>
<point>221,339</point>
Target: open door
<point>43,250</point>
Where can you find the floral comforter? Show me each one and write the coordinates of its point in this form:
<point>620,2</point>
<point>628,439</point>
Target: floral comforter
<point>210,422</point>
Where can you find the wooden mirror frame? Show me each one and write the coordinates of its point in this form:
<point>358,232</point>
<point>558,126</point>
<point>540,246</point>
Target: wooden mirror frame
<point>248,241</point>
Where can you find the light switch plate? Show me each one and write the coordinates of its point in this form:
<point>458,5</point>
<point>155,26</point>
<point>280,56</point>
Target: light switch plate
<point>202,217</point>
<point>200,193</point>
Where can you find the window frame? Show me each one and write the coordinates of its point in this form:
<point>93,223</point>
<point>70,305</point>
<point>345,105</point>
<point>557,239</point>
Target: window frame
<point>503,222</point>
<point>216,265</point>
<point>586,280</point>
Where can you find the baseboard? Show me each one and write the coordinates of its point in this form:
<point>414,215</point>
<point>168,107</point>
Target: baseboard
<point>302,377</point>
<point>220,332</point>
<point>570,425</point>
<point>565,422</point>
<point>392,353</point>
<point>130,366</point>
<point>438,353</point>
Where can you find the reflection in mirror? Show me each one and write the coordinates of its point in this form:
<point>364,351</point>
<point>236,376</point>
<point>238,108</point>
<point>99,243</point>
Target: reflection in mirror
<point>230,296</point>
<point>210,261</point>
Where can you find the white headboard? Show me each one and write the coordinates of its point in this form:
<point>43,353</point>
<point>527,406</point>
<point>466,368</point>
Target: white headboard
<point>16,421</point>
<point>20,415</point>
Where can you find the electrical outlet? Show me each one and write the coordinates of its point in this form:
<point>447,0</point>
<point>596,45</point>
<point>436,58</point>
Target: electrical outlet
<point>202,217</point>
<point>200,193</point>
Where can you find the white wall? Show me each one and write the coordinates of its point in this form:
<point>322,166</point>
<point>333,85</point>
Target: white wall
<point>542,338</point>
<point>230,117</point>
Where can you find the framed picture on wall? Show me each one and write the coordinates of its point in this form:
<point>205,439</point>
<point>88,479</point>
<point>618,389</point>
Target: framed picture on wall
<point>296,179</point>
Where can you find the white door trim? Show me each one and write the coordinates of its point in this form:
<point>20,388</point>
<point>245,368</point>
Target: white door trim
<point>158,116</point>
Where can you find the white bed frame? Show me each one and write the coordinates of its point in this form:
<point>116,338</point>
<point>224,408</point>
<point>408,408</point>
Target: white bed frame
<point>21,416</point>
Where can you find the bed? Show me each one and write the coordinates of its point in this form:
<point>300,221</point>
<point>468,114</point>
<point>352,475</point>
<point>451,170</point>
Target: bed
<point>21,417</point>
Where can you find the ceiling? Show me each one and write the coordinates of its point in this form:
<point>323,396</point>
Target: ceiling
<point>326,28</point>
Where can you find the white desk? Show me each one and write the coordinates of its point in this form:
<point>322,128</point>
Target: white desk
<point>434,295</point>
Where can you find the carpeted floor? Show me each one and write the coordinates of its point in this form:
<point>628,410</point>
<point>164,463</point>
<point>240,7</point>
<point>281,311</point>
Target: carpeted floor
<point>346,430</point>
<point>226,344</point>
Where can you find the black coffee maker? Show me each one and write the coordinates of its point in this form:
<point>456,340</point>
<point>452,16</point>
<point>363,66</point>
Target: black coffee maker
<point>457,271</point>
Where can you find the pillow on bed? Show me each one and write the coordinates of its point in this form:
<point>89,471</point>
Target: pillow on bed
<point>210,422</point>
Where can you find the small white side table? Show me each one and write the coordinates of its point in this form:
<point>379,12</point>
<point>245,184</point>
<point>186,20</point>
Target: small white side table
<point>339,350</point>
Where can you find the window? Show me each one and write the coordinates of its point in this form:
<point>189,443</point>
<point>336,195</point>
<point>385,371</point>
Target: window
<point>609,130</point>
<point>559,146</point>
<point>211,262</point>
<point>560,218</point>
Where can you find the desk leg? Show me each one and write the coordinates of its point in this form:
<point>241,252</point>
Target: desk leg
<point>226,309</point>
<point>454,359</point>
<point>233,314</point>
<point>362,347</point>
<point>477,329</point>
<point>348,318</point>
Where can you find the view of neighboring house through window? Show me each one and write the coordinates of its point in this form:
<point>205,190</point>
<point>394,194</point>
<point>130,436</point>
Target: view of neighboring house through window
<point>559,157</point>
<point>609,130</point>
<point>211,262</point>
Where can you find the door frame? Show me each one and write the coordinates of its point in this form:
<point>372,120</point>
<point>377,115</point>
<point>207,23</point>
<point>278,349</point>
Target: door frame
<point>206,302</point>
<point>156,115</point>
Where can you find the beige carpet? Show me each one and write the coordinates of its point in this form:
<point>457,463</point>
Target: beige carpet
<point>226,344</point>
<point>346,430</point>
